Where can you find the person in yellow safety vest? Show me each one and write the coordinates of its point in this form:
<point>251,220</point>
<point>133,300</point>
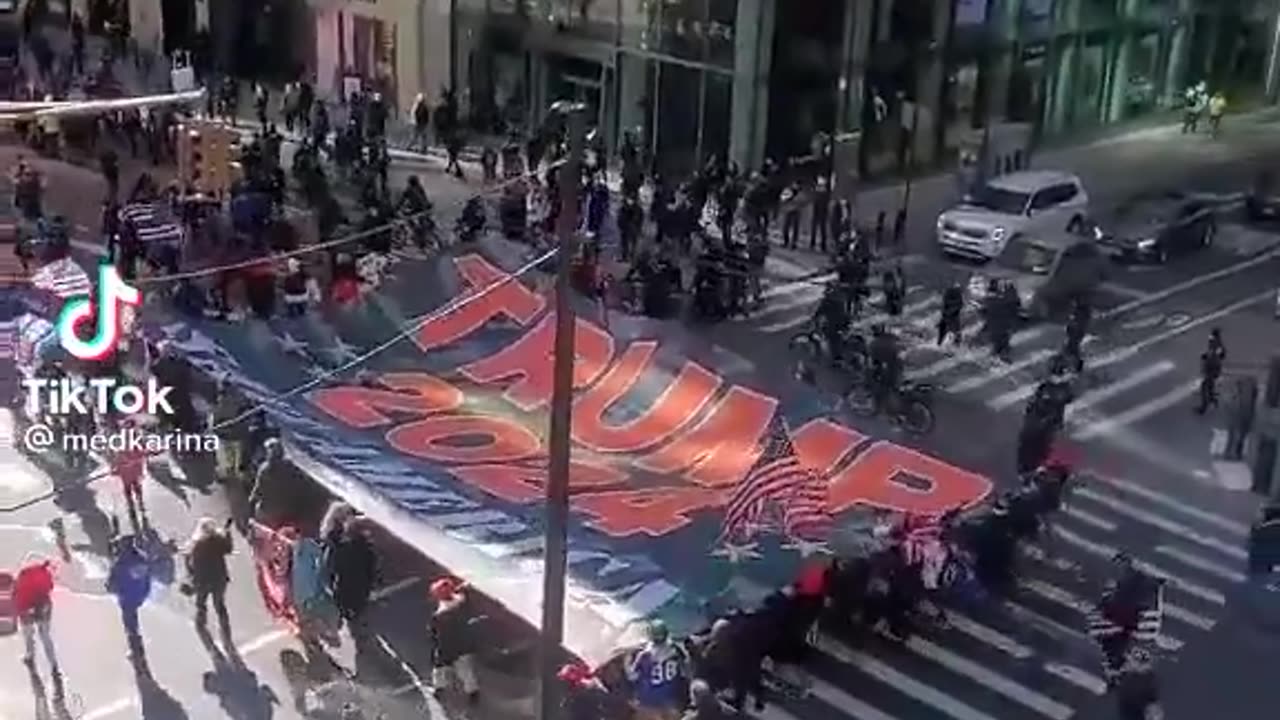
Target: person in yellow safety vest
<point>1217,108</point>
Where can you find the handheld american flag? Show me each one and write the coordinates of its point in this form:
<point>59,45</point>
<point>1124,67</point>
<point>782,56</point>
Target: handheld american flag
<point>779,478</point>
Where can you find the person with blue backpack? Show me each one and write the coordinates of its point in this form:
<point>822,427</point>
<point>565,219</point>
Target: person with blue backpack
<point>130,581</point>
<point>659,675</point>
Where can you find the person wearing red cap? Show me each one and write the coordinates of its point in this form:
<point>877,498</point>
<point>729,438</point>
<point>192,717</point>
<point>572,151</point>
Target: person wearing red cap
<point>453,641</point>
<point>585,697</point>
<point>33,603</point>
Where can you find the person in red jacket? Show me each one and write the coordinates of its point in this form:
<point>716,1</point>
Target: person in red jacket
<point>33,601</point>
<point>130,466</point>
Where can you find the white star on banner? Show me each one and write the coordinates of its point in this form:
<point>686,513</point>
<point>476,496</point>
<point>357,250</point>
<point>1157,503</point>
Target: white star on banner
<point>737,553</point>
<point>292,345</point>
<point>808,548</point>
<point>343,351</point>
<point>318,372</point>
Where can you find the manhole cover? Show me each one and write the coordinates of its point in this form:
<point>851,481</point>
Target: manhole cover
<point>1178,319</point>
<point>1144,323</point>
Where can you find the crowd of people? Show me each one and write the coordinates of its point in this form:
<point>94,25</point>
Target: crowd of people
<point>914,570</point>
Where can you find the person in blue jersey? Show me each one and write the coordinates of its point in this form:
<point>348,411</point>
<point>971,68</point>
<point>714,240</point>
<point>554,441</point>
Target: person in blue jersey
<point>659,675</point>
<point>130,581</point>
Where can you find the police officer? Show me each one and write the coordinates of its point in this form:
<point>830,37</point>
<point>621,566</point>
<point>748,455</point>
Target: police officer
<point>895,291</point>
<point>886,364</point>
<point>997,319</point>
<point>949,320</point>
<point>1035,436</point>
<point>1211,361</point>
<point>833,319</point>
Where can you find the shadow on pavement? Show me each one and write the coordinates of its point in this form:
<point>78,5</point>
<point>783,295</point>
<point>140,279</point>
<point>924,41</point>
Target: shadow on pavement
<point>155,703</point>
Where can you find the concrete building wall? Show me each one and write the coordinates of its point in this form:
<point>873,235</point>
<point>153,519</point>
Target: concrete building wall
<point>147,24</point>
<point>418,28</point>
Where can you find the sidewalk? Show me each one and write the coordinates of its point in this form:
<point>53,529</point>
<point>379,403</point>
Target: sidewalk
<point>1111,168</point>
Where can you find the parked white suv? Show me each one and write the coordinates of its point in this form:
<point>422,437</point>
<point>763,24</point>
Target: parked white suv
<point>1032,202</point>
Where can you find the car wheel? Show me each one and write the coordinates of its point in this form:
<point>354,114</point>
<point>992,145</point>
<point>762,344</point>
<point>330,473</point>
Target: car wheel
<point>1209,234</point>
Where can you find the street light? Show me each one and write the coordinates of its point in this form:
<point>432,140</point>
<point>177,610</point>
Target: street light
<point>557,499</point>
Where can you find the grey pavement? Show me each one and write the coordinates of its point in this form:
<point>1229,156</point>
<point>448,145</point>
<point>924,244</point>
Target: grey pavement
<point>255,676</point>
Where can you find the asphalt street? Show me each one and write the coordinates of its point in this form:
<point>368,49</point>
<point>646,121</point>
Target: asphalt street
<point>1152,489</point>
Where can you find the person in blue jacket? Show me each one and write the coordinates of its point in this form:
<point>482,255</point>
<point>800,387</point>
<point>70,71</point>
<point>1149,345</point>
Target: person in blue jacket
<point>130,581</point>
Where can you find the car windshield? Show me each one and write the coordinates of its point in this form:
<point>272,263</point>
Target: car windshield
<point>1001,200</point>
<point>1026,257</point>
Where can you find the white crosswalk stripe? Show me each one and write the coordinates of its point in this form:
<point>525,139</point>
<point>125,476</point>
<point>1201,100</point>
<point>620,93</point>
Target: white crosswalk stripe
<point>1025,660</point>
<point>1123,400</point>
<point>905,684</point>
<point>1156,520</point>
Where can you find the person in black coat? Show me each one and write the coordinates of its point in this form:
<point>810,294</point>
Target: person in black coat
<point>353,564</point>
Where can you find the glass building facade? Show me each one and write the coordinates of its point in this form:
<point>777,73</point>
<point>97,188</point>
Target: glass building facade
<point>750,78</point>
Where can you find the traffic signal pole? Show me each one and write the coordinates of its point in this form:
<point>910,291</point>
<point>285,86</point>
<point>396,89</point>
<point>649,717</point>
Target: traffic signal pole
<point>551,639</point>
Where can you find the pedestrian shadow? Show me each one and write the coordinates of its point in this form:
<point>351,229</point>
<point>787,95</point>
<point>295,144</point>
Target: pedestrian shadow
<point>237,688</point>
<point>82,502</point>
<point>47,708</point>
<point>161,555</point>
<point>154,702</point>
<point>164,476</point>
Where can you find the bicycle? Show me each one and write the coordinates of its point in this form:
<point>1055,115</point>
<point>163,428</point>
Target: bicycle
<point>909,407</point>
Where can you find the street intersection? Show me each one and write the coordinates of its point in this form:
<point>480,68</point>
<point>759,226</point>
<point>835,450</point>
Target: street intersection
<point>1151,488</point>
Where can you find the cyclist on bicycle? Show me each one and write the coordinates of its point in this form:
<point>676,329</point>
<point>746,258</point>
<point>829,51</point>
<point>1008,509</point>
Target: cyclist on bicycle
<point>886,364</point>
<point>415,205</point>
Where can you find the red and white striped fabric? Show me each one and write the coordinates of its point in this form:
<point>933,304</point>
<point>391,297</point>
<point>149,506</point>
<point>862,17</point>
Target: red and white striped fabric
<point>151,222</point>
<point>64,278</point>
<point>8,340</point>
<point>920,535</point>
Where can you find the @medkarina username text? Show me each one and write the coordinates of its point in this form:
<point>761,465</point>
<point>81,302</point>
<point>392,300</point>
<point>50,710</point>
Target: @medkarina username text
<point>39,438</point>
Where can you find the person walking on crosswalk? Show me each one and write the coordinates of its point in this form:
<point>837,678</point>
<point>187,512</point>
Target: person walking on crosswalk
<point>949,319</point>
<point>1211,361</point>
<point>895,291</point>
<point>998,317</point>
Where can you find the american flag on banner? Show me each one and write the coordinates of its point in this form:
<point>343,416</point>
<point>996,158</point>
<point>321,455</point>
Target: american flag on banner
<point>779,478</point>
<point>64,278</point>
<point>8,341</point>
<point>151,222</point>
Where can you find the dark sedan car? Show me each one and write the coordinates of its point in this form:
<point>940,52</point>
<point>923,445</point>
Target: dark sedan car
<point>1262,204</point>
<point>1157,228</point>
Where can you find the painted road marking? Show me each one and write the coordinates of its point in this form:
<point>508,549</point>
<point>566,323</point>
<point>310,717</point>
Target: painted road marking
<point>1001,370</point>
<point>1201,563</point>
<point>773,711</point>
<point>1232,526</point>
<point>994,638</point>
<point>1108,551</point>
<point>1128,351</point>
<point>1108,424</point>
<point>841,700</point>
<point>1089,518</point>
<point>974,354</point>
<point>1159,521</point>
<point>1189,284</point>
<point>1045,624</point>
<point>907,311</point>
<point>787,288</point>
<point>1181,614</point>
<point>994,681</point>
<point>1077,677</point>
<point>1126,383</point>
<point>904,684</point>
